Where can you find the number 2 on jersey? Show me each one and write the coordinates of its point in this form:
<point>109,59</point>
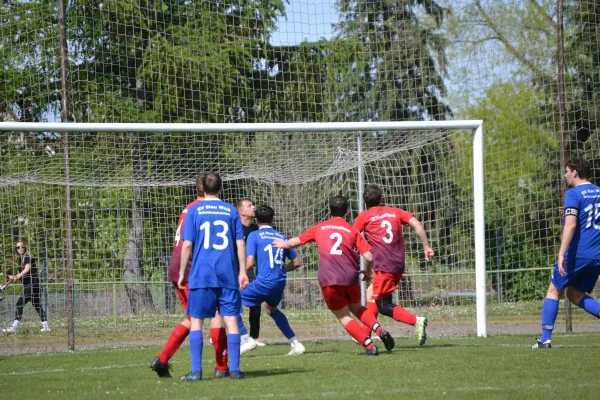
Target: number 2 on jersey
<point>335,250</point>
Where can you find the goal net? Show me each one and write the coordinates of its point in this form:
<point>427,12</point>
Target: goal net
<point>128,189</point>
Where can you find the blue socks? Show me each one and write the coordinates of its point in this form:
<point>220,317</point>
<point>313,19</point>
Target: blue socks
<point>282,323</point>
<point>549,313</point>
<point>241,326</point>
<point>233,349</point>
<point>196,344</point>
<point>590,305</point>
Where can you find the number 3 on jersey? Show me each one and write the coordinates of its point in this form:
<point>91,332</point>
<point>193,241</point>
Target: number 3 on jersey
<point>387,225</point>
<point>222,234</point>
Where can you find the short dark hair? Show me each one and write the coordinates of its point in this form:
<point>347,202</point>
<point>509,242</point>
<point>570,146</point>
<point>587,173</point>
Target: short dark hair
<point>372,196</point>
<point>338,206</point>
<point>212,183</point>
<point>199,187</point>
<point>264,215</point>
<point>241,201</point>
<point>580,165</point>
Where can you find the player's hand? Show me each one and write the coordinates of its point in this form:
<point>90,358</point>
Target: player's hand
<point>561,265</point>
<point>243,280</point>
<point>429,253</point>
<point>366,275</point>
<point>12,278</point>
<point>180,282</point>
<point>279,243</point>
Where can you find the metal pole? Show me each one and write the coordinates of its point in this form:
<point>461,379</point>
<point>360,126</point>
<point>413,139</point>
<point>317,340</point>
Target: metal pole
<point>479,222</point>
<point>360,190</point>
<point>64,74</point>
<point>561,127</point>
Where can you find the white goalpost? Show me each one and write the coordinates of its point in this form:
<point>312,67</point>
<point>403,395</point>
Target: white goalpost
<point>116,173</point>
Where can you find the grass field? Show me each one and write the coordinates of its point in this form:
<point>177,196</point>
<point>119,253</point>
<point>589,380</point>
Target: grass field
<point>450,368</point>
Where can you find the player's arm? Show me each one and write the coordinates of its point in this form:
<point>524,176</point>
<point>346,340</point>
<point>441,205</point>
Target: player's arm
<point>365,250</point>
<point>287,244</point>
<point>567,235</point>
<point>294,264</point>
<point>420,231</point>
<point>186,250</point>
<point>20,275</point>
<point>250,261</point>
<point>241,255</point>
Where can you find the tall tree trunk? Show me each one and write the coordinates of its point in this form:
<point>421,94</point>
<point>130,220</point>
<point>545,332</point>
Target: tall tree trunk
<point>138,292</point>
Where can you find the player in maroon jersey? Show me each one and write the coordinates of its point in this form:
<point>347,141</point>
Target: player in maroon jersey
<point>217,326</point>
<point>383,230</point>
<point>338,273</point>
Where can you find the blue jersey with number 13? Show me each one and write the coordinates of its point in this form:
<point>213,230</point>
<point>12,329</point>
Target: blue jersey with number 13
<point>583,201</point>
<point>213,226</point>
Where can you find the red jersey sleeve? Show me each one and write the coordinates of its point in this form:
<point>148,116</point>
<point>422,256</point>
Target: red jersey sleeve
<point>359,223</point>
<point>308,235</point>
<point>403,216</point>
<point>361,244</point>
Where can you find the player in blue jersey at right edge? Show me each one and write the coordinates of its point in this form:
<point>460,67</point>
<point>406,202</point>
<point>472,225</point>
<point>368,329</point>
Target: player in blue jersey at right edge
<point>213,231</point>
<point>272,274</point>
<point>578,266</point>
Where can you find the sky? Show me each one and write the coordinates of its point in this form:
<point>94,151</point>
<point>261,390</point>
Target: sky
<point>306,19</point>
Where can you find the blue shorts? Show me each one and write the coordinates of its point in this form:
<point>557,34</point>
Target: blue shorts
<point>582,275</point>
<point>257,292</point>
<point>203,302</point>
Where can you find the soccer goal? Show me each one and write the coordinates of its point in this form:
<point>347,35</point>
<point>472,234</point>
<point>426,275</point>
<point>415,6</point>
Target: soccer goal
<point>99,203</point>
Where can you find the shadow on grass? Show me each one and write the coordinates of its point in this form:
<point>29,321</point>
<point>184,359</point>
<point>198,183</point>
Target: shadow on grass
<point>274,372</point>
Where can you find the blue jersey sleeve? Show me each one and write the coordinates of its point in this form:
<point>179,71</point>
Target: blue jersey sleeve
<point>238,228</point>
<point>251,244</point>
<point>572,203</point>
<point>290,254</point>
<point>189,227</point>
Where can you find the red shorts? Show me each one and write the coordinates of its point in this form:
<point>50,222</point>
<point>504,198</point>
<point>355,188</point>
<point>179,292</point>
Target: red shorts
<point>182,294</point>
<point>337,297</point>
<point>385,283</point>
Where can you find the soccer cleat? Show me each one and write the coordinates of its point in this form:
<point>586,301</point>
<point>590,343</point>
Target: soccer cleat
<point>10,329</point>
<point>247,345</point>
<point>297,349</point>
<point>260,342</point>
<point>161,369</point>
<point>387,339</point>
<point>221,374</point>
<point>236,375</point>
<point>539,345</point>
<point>192,377</point>
<point>421,327</point>
<point>45,329</point>
<point>373,351</point>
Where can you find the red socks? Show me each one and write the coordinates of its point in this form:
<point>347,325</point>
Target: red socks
<point>401,315</point>
<point>175,340</point>
<point>356,331</point>
<point>219,339</point>
<point>366,317</point>
<point>375,311</point>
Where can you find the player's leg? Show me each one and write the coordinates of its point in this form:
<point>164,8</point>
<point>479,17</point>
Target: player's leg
<point>366,317</point>
<point>251,297</point>
<point>254,320</point>
<point>230,307</point>
<point>337,302</point>
<point>19,312</point>
<point>202,303</point>
<point>371,306</point>
<point>586,280</point>
<point>160,364</point>
<point>549,313</point>
<point>218,335</point>
<point>281,320</point>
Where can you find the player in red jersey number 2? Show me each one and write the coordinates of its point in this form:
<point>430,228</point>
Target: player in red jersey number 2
<point>338,273</point>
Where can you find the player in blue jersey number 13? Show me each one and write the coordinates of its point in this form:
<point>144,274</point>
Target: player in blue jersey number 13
<point>578,265</point>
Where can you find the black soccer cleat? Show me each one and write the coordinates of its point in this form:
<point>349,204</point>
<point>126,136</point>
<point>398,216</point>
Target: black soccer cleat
<point>373,351</point>
<point>192,377</point>
<point>161,369</point>
<point>540,345</point>
<point>221,374</point>
<point>387,339</point>
<point>236,375</point>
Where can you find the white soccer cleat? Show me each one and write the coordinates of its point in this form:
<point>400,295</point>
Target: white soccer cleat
<point>297,349</point>
<point>10,329</point>
<point>260,342</point>
<point>247,345</point>
<point>45,329</point>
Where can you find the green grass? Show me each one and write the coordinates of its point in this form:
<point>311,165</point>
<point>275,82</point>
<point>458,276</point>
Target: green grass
<point>459,368</point>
